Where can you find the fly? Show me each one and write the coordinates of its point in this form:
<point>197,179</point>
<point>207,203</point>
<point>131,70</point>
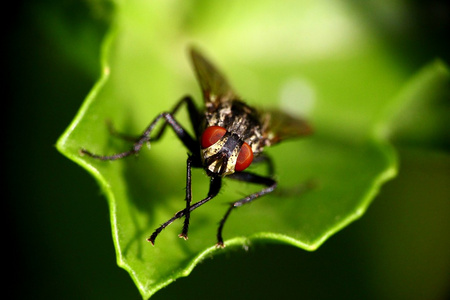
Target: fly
<point>229,136</point>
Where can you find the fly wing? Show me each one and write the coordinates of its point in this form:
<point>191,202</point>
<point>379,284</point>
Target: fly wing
<point>214,85</point>
<point>280,126</point>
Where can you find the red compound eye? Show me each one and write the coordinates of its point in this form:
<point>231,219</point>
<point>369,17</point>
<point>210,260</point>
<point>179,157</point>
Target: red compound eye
<point>211,135</point>
<point>245,158</point>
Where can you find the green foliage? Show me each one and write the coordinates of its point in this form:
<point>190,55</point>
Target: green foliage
<point>342,79</point>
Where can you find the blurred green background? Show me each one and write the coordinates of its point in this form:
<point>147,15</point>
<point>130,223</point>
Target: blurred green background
<point>58,222</point>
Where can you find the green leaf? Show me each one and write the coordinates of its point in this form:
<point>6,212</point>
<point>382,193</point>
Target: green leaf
<point>419,114</point>
<point>341,79</point>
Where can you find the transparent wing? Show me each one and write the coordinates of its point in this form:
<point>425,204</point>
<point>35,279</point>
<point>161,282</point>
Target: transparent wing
<point>214,85</point>
<point>280,126</point>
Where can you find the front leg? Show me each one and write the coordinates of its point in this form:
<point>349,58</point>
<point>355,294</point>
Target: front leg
<point>251,178</point>
<point>187,215</point>
<point>214,188</point>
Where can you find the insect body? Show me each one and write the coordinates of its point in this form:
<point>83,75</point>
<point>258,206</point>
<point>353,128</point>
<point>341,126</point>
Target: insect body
<point>229,136</point>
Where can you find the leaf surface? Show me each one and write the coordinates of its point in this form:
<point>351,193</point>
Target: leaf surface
<point>343,85</point>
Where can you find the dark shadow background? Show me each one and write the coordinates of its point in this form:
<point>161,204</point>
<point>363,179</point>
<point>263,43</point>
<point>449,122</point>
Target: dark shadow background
<point>57,241</point>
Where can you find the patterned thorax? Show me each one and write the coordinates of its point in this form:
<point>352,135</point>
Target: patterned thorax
<point>239,119</point>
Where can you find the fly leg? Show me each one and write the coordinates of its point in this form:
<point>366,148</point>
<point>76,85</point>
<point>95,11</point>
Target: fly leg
<point>194,116</point>
<point>187,213</point>
<point>251,178</point>
<point>214,188</point>
<point>169,119</point>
